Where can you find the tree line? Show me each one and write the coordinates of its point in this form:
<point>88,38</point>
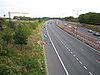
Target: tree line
<point>90,18</point>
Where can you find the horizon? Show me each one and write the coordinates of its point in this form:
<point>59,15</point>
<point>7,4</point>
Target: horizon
<point>48,8</point>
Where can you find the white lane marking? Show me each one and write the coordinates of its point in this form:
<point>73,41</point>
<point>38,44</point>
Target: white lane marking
<point>84,43</point>
<point>90,73</point>
<point>67,48</point>
<point>77,59</point>
<point>80,62</point>
<point>58,55</point>
<point>71,52</point>
<point>85,67</point>
<point>97,61</point>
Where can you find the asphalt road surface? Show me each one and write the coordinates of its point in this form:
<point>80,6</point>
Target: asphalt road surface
<point>66,55</point>
<point>85,31</point>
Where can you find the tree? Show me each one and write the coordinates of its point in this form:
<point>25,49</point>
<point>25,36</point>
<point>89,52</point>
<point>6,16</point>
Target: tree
<point>7,36</point>
<point>2,22</point>
<point>71,18</point>
<point>21,34</point>
<point>34,25</point>
<point>90,18</point>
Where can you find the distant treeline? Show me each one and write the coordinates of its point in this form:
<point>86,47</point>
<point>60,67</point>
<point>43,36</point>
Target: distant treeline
<point>25,18</point>
<point>37,18</point>
<point>90,18</point>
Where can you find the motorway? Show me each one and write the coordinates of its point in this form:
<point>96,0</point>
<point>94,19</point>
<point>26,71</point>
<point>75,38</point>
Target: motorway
<point>66,55</point>
<point>85,31</point>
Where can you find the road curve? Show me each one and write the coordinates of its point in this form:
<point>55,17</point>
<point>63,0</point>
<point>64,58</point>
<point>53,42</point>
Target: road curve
<point>72,57</point>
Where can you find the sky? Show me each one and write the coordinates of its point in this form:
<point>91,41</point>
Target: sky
<point>49,8</point>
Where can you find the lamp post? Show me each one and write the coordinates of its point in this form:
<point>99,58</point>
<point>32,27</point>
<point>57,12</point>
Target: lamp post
<point>77,14</point>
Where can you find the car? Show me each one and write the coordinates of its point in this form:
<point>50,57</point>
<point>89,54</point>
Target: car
<point>70,26</point>
<point>90,31</point>
<point>96,33</point>
<point>75,27</point>
<point>66,24</point>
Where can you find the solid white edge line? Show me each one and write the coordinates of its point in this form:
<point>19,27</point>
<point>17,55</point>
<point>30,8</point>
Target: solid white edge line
<point>58,55</point>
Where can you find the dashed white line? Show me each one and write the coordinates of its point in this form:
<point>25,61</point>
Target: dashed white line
<point>80,62</point>
<point>77,59</point>
<point>84,44</point>
<point>58,55</point>
<point>90,73</point>
<point>85,67</point>
<point>97,61</point>
<point>71,52</point>
<point>67,48</point>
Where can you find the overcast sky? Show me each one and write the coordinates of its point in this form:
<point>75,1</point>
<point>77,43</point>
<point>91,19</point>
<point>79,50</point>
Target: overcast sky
<point>49,8</point>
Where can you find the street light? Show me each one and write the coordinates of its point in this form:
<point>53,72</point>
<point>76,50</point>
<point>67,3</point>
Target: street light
<point>77,14</point>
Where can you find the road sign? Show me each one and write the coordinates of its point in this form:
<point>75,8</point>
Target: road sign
<point>45,35</point>
<point>44,28</point>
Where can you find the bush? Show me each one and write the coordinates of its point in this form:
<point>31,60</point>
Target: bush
<point>34,25</point>
<point>22,33</point>
<point>28,63</point>
<point>7,37</point>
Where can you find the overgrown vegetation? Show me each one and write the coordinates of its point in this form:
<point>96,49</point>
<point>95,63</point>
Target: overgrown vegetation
<point>20,54</point>
<point>71,18</point>
<point>90,18</point>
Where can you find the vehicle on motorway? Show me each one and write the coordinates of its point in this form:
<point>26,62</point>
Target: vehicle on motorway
<point>66,24</point>
<point>75,27</point>
<point>90,31</point>
<point>70,26</point>
<point>96,34</point>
